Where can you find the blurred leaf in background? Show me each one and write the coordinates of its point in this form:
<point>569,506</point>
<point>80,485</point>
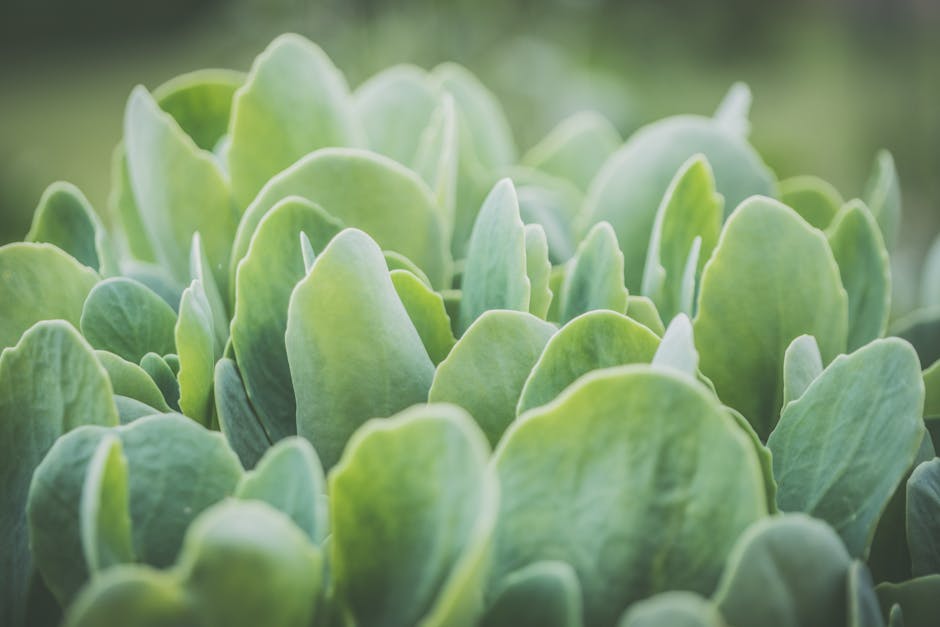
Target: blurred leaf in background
<point>834,80</point>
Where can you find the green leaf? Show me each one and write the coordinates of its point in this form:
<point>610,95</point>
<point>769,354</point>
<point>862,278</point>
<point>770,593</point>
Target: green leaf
<point>437,159</point>
<point>293,102</point>
<point>495,273</point>
<point>179,188</point>
<point>39,282</point>
<point>413,504</point>
<point>653,496</point>
<point>919,599</point>
<point>201,103</point>
<point>104,514</point>
<point>65,218</point>
<point>134,595</point>
<point>594,279</point>
<point>126,318</point>
<point>50,383</point>
<point>865,270</point>
<point>862,607</point>
<point>543,594</point>
<point>551,204</point>
<point>289,478</point>
<point>802,364</point>
<point>156,279</point>
<point>175,470</point>
<point>785,570</point>
<point>814,199</point>
<point>159,370</point>
<point>734,109</point>
<point>677,348</point>
<point>921,328</point>
<point>595,340</point>
<point>890,556</point>
<point>673,609</point>
<point>932,390</point>
<point>265,279</point>
<point>195,341</point>
<point>245,564</point>
<point>488,366</point>
<point>690,210</point>
<point>394,107</point>
<point>538,270</point>
<point>749,312</point>
<point>200,270</point>
<point>896,616</point>
<point>363,190</point>
<point>130,380</point>
<point>426,309</point>
<point>642,309</point>
<point>576,148</point>
<point>354,353</point>
<point>841,449</point>
<point>633,181</point>
<point>883,196</point>
<point>237,418</point>
<point>930,277</point>
<point>923,518</point>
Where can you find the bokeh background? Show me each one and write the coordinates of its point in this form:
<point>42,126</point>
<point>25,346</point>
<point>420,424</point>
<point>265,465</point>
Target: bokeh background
<point>833,80</point>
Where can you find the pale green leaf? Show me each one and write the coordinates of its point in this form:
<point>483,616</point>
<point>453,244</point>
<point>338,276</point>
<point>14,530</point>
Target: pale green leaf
<point>198,352</point>
<point>677,348</point>
<point>734,109</point>
<point>426,309</point>
<point>104,514</point>
<point>883,196</point>
<point>576,148</point>
<point>538,269</point>
<point>131,381</point>
<point>594,279</point>
<point>673,609</point>
<point>802,364</point>
<point>814,199</point>
<point>643,310</point>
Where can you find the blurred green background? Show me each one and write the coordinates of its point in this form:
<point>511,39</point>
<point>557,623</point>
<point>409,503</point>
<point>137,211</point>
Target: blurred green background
<point>833,80</point>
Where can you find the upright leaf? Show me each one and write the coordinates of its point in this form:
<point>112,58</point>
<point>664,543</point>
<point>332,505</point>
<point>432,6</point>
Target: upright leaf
<point>131,381</point>
<point>594,279</point>
<point>749,312</point>
<point>413,504</point>
<point>126,318</point>
<point>576,148</point>
<point>677,348</point>
<point>883,196</point>
<point>196,345</point>
<point>265,279</point>
<point>734,109</point>
<point>596,340</point>
<point>543,594</point>
<point>485,371</point>
<point>784,571</point>
<point>814,199</point>
<point>104,514</point>
<point>179,188</point>
<point>859,250</point>
<point>841,449</point>
<point>437,159</point>
<point>494,276</point>
<point>538,270</point>
<point>237,418</point>
<point>628,189</point>
<point>802,364</point>
<point>65,218</point>
<point>39,282</point>
<point>50,383</point>
<point>290,479</point>
<point>862,607</point>
<point>690,210</point>
<point>923,518</point>
<point>354,354</point>
<point>293,102</point>
<point>426,309</point>
<point>657,456</point>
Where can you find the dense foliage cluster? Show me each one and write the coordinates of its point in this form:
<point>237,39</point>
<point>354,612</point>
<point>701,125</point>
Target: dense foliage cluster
<point>347,359</point>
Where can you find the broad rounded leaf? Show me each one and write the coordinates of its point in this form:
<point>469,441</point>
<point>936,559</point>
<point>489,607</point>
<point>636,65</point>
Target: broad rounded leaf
<point>749,311</point>
<point>859,250</point>
<point>39,282</point>
<point>643,310</point>
<point>673,609</point>
<point>289,478</point>
<point>576,148</point>
<point>841,449</point>
<point>134,595</point>
<point>65,218</point>
<point>814,199</point>
<point>595,340</point>
<point>265,279</point>
<point>543,594</point>
<point>630,186</point>
<point>293,102</point>
<point>131,381</point>
<point>364,190</point>
<point>50,383</point>
<point>354,353</point>
<point>785,571</point>
<point>635,476</point>
<point>485,371</point>
<point>413,503</point>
